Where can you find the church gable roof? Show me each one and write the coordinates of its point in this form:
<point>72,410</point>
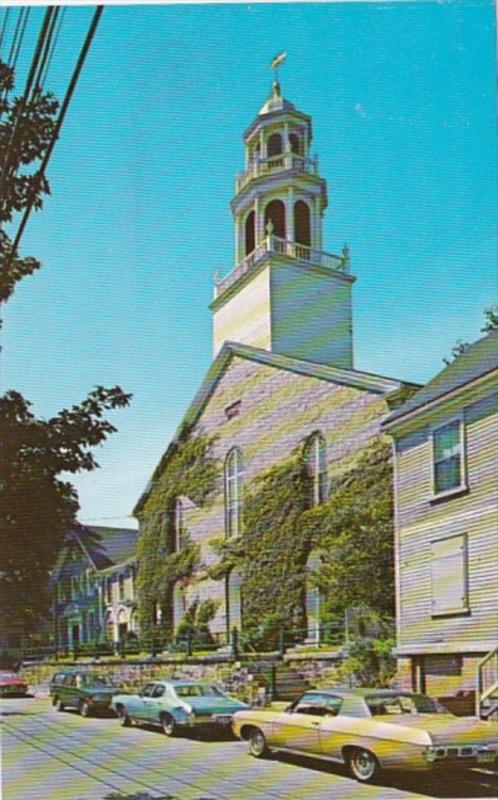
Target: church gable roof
<point>376,384</point>
<point>479,358</point>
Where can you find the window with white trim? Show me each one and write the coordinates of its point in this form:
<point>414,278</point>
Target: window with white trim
<point>449,575</point>
<point>448,457</point>
<point>234,477</point>
<point>316,465</point>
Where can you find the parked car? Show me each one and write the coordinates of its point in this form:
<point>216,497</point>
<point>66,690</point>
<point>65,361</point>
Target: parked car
<point>11,685</point>
<point>88,692</point>
<point>370,730</point>
<point>176,705</point>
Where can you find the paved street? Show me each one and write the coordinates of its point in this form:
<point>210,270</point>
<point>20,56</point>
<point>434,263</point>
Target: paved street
<point>50,755</point>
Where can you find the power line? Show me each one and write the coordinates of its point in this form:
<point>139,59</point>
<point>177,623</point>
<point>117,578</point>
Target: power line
<point>60,119</point>
<point>4,26</point>
<point>46,49</point>
<point>16,55</point>
<point>54,45</point>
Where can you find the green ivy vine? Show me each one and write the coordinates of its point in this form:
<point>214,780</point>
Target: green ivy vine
<point>189,469</point>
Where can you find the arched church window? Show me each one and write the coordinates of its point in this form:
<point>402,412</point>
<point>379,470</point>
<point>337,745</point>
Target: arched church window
<point>234,476</point>
<point>275,212</point>
<point>316,467</point>
<point>179,524</point>
<point>250,232</point>
<point>312,599</point>
<point>295,143</point>
<point>302,226</point>
<point>274,145</point>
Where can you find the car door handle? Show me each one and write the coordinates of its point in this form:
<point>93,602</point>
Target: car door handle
<point>316,724</point>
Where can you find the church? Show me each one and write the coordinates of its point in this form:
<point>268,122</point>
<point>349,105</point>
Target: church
<point>282,377</point>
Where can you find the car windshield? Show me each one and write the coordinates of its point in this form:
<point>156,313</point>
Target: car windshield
<point>8,675</point>
<point>91,679</point>
<point>197,690</point>
<point>403,704</point>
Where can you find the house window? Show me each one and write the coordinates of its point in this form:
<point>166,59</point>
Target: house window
<point>109,590</point>
<point>121,583</point>
<point>234,475</point>
<point>316,466</point>
<point>448,457</point>
<point>179,524</point>
<point>449,575</point>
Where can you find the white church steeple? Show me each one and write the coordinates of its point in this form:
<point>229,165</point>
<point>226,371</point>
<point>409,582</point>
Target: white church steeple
<point>284,294</point>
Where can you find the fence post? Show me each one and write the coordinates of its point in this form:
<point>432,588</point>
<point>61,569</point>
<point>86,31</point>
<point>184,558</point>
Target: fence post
<point>273,682</point>
<point>235,642</point>
<point>281,643</point>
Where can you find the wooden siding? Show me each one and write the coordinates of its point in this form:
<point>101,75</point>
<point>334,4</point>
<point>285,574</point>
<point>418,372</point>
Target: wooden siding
<point>422,520</point>
<point>278,410</point>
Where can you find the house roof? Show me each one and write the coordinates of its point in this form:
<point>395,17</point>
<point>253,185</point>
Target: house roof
<point>348,377</point>
<point>479,358</point>
<point>104,547</point>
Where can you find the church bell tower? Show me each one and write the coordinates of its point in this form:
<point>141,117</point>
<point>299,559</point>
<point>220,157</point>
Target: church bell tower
<point>285,294</point>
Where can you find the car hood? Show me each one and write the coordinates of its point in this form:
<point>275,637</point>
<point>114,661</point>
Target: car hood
<point>447,729</point>
<point>214,705</point>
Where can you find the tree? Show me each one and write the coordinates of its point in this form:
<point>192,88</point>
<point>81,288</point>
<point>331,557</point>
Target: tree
<point>491,317</point>
<point>458,349</point>
<point>37,507</point>
<point>26,131</point>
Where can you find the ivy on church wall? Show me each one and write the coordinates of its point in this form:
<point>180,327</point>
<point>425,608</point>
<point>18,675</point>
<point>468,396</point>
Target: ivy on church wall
<point>189,470</point>
<point>352,532</point>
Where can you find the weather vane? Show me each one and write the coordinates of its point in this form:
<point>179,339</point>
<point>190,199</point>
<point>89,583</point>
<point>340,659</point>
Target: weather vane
<point>275,63</point>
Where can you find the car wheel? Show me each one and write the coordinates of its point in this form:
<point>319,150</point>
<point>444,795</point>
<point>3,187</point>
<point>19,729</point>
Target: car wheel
<point>363,765</point>
<point>124,719</point>
<point>59,705</point>
<point>257,744</point>
<point>84,708</point>
<point>168,725</point>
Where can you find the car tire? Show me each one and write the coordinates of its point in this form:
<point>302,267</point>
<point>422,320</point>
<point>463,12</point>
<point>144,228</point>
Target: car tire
<point>257,744</point>
<point>59,705</point>
<point>363,765</point>
<point>84,708</point>
<point>168,725</point>
<point>123,717</point>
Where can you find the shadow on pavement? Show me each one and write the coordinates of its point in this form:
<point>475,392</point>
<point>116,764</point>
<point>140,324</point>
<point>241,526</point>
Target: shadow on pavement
<point>471,784</point>
<point>146,796</point>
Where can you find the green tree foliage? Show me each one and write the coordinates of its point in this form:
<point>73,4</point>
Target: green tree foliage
<point>491,319</point>
<point>457,350</point>
<point>195,623</point>
<point>189,470</point>
<point>354,533</point>
<point>26,130</point>
<point>37,507</point>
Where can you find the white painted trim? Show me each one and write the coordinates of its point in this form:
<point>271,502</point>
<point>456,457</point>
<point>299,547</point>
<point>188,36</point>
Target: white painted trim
<point>460,418</point>
<point>443,648</point>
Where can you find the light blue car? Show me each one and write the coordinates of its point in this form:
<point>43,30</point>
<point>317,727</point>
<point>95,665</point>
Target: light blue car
<point>176,705</point>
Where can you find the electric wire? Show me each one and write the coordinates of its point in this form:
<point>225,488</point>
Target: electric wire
<point>62,113</point>
<point>13,43</point>
<point>21,38</point>
<point>46,50</point>
<point>8,168</point>
<point>4,27</point>
<point>44,76</point>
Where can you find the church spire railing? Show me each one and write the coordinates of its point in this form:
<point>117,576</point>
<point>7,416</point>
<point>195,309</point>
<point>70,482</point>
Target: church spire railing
<point>284,247</point>
<point>260,167</point>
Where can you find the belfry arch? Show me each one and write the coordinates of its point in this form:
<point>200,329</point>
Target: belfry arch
<point>275,212</point>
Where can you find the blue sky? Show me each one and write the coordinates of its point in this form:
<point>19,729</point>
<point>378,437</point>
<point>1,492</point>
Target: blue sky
<point>404,111</point>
